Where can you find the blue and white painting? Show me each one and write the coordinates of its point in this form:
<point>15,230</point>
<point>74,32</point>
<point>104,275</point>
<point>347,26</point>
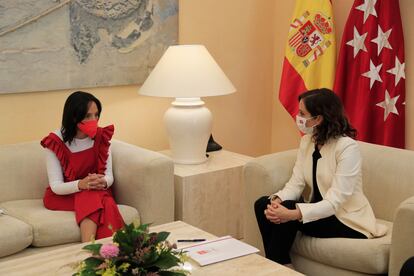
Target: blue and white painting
<point>73,44</point>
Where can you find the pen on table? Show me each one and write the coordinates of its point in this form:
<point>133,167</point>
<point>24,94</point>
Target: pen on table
<point>192,240</point>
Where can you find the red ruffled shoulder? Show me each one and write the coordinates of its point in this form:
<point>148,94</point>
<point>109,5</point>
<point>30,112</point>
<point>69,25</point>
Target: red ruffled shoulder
<point>102,143</point>
<point>55,144</point>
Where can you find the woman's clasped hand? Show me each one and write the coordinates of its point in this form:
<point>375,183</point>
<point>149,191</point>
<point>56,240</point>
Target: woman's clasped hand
<point>94,181</point>
<point>277,213</point>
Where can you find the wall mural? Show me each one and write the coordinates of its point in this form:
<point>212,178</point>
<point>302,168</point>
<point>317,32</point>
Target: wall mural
<point>63,44</point>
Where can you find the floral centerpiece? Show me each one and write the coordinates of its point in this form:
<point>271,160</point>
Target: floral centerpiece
<point>134,251</point>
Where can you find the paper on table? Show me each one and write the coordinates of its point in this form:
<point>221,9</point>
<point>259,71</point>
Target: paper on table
<point>218,250</point>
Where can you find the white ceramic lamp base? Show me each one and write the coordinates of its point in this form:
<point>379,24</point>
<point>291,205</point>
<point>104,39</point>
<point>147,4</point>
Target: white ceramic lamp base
<point>188,124</point>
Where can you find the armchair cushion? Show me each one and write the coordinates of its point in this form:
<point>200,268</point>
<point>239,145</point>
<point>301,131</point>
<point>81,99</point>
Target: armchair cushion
<point>367,256</point>
<point>15,235</point>
<point>53,227</point>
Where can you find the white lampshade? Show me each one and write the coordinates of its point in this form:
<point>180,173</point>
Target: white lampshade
<point>187,71</point>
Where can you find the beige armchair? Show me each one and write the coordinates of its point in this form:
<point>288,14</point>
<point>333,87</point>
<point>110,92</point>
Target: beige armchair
<point>388,179</point>
<point>143,189</point>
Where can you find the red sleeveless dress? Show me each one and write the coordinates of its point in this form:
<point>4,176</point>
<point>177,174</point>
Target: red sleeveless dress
<point>97,205</point>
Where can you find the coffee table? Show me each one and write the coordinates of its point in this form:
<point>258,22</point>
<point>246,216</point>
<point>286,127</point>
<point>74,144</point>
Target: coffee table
<point>63,260</point>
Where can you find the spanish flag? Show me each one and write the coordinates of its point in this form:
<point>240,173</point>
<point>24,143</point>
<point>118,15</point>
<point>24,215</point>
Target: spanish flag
<point>310,52</point>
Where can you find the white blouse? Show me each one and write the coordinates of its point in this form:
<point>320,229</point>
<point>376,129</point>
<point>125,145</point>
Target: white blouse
<point>54,169</point>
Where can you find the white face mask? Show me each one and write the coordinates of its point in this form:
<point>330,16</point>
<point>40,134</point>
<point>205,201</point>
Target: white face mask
<point>301,123</point>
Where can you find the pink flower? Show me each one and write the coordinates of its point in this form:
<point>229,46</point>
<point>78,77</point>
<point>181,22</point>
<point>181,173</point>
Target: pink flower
<point>109,250</point>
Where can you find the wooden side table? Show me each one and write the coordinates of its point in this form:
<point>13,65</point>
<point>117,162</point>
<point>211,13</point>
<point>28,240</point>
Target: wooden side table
<point>210,195</point>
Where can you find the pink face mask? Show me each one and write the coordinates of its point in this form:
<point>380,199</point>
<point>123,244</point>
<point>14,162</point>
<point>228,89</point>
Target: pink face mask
<point>88,127</point>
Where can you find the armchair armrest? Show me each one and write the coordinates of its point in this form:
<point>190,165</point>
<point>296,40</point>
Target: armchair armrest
<point>402,242</point>
<point>144,179</point>
<point>263,176</point>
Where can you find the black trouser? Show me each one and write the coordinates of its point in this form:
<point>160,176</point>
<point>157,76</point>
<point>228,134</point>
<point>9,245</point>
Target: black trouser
<point>408,268</point>
<point>278,238</point>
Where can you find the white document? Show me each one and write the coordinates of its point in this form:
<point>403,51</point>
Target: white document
<point>221,249</point>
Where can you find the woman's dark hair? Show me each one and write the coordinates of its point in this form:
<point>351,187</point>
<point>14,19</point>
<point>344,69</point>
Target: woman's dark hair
<point>76,107</point>
<point>326,103</point>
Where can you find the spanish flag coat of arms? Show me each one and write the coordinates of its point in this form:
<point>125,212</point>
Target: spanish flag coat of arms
<point>310,54</point>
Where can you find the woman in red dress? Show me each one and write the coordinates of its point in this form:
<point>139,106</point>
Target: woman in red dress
<point>79,167</point>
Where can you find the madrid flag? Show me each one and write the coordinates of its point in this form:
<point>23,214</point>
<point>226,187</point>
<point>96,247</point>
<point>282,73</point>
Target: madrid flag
<point>370,77</point>
<point>310,52</point>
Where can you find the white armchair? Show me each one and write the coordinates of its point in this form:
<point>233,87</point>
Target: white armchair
<point>388,181</point>
<point>143,188</point>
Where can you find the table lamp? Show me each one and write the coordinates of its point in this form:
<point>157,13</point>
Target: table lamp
<point>186,73</point>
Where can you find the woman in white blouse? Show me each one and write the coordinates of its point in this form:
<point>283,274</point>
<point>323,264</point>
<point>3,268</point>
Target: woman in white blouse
<point>329,163</point>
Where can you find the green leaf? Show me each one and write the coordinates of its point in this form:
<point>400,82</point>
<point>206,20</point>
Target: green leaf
<point>162,236</point>
<point>150,258</point>
<point>88,272</point>
<point>124,241</point>
<point>166,261</point>
<point>131,237</point>
<point>92,262</point>
<point>144,227</point>
<point>94,248</point>
<point>121,235</point>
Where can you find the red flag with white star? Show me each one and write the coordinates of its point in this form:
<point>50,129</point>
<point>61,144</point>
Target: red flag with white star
<point>370,76</point>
